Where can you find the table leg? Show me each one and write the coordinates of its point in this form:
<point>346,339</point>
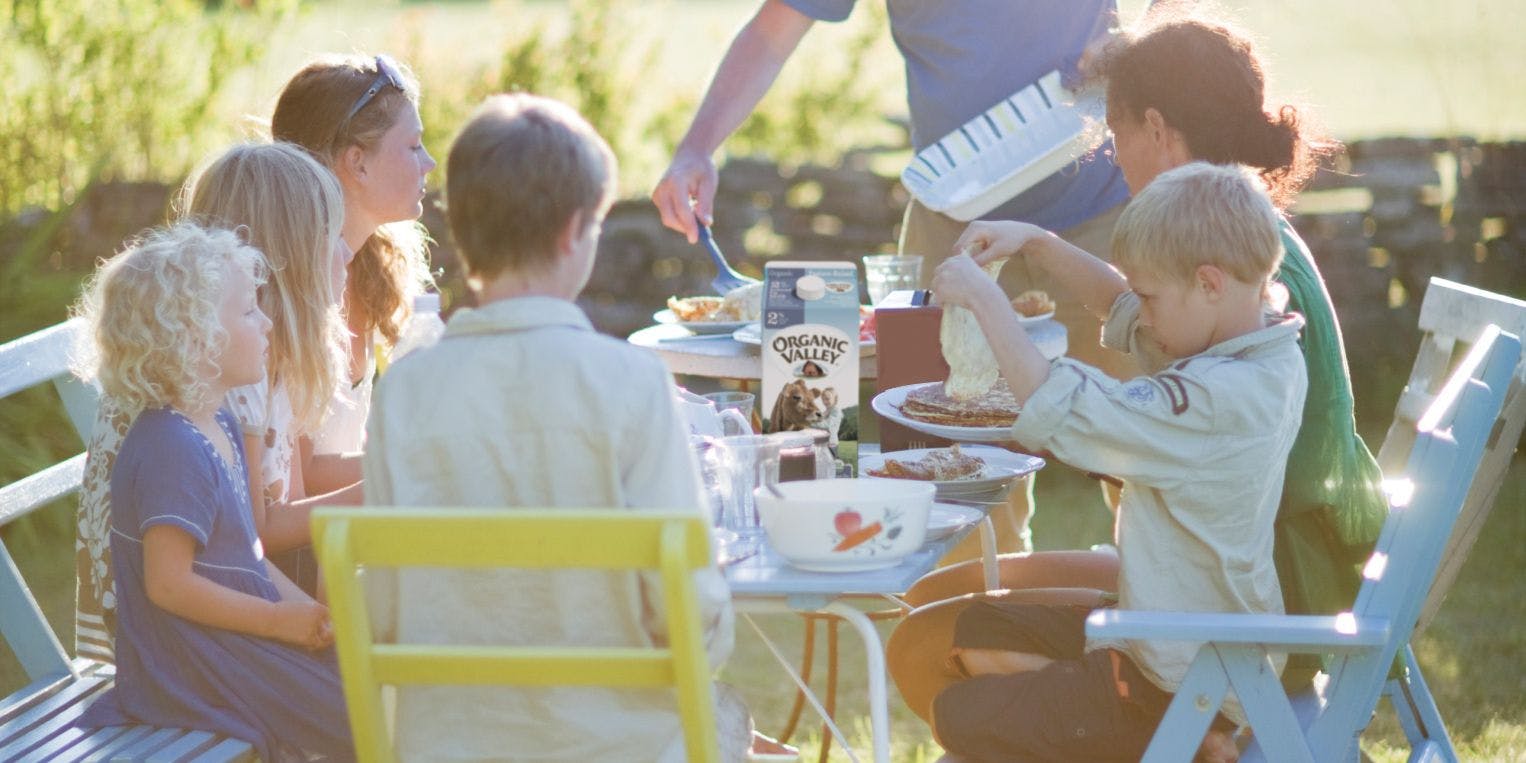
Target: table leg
<point>874,654</point>
<point>988,553</point>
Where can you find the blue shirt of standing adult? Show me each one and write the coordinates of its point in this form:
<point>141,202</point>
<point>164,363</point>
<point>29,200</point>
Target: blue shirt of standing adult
<point>964,56</point>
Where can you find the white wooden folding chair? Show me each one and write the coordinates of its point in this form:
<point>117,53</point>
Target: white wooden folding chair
<point>1452,315</point>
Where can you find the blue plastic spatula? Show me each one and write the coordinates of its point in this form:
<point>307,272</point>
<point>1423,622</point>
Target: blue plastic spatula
<point>726,279</point>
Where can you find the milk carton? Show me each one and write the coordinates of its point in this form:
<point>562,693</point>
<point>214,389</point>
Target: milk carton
<point>810,347</point>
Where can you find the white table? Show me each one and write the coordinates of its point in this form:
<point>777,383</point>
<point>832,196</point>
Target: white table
<point>765,583</point>
<point>715,356</point>
<point>721,357</point>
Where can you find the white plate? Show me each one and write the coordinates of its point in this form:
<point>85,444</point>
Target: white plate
<point>752,333</point>
<point>1002,466</point>
<point>888,404</point>
<point>945,519</point>
<point>1034,318</point>
<point>698,327</point>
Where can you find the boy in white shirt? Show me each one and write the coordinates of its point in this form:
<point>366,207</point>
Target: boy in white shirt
<point>1201,447</point>
<point>522,403</point>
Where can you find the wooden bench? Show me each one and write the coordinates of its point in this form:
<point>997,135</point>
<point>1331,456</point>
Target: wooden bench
<point>39,721</point>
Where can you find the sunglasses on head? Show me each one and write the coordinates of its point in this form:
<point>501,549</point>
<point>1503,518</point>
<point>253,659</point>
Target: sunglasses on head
<point>387,74</point>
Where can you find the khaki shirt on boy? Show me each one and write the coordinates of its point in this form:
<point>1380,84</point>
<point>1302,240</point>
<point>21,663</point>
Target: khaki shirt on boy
<point>1201,447</point>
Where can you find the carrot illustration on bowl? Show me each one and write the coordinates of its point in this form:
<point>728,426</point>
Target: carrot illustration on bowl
<point>858,536</point>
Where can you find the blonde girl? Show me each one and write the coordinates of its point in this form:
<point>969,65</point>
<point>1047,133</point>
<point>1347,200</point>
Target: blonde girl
<point>211,637</point>
<point>289,206</point>
<point>293,210</point>
<point>359,115</point>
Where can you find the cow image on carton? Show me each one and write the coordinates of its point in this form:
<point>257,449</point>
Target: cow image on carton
<point>810,346</point>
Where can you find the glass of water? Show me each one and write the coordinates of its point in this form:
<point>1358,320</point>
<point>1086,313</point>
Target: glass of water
<point>885,273</point>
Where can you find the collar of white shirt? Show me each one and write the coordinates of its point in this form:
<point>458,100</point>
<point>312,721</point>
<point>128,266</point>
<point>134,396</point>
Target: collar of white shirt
<point>518,314</point>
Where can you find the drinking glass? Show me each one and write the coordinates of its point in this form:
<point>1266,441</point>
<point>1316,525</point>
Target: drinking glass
<point>741,402</point>
<point>885,273</point>
<point>752,461</point>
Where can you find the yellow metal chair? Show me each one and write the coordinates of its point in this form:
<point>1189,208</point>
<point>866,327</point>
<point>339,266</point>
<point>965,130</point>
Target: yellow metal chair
<point>674,544</point>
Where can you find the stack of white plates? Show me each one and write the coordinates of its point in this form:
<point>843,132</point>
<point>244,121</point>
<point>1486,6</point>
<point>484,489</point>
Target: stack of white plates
<point>1023,139</point>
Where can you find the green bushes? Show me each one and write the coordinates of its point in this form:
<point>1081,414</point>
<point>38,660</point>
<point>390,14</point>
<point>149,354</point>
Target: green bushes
<point>605,60</point>
<point>114,88</point>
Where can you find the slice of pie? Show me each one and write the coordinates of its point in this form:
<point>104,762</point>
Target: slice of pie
<point>936,465</point>
<point>995,408</point>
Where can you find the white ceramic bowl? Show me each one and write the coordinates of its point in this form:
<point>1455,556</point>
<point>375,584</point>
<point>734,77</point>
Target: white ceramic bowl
<point>845,525</point>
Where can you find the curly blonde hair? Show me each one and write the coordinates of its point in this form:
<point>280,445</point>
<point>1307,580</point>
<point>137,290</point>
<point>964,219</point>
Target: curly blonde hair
<point>153,320</point>
<point>392,265</point>
<point>291,208</point>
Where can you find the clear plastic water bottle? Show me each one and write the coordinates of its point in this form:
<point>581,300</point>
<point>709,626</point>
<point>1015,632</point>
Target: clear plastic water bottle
<point>423,329</point>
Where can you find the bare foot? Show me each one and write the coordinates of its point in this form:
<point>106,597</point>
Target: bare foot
<point>1218,747</point>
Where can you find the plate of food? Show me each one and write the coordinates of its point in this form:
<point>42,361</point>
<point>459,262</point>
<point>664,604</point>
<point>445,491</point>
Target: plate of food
<point>1033,306</point>
<point>714,315</point>
<point>945,519</point>
<point>957,469</point>
<point>714,326</point>
<point>925,408</point>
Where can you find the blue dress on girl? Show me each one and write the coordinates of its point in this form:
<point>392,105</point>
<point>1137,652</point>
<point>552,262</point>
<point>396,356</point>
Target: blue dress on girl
<point>172,672</point>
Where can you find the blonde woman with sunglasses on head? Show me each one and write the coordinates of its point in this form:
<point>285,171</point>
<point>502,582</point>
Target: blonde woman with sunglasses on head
<point>359,116</point>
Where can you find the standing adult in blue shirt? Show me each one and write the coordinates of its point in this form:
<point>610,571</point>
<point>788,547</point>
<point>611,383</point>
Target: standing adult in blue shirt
<point>962,57</point>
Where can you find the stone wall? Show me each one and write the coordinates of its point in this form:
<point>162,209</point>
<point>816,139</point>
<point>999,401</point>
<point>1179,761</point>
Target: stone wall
<point>1394,213</point>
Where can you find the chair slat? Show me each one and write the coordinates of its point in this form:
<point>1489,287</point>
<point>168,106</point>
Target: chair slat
<point>98,747</point>
<point>56,702</point>
<point>32,694</point>
<point>539,538</point>
<point>40,724</point>
<point>1460,310</point>
<point>37,357</point>
<point>226,751</point>
<point>147,745</point>
<point>32,492</point>
<point>513,666</point>
<point>76,744</point>
<point>184,748</point>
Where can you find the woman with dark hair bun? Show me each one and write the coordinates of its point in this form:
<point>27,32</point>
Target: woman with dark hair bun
<point>1182,90</point>
<point>1204,83</point>
<point>1192,90</point>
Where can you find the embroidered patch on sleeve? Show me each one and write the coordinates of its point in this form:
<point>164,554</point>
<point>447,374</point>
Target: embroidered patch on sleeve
<point>1175,389</point>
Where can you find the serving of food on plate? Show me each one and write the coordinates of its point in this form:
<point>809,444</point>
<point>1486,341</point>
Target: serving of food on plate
<point>936,465</point>
<point>930,403</point>
<point>959,471</point>
<point>1033,305</point>
<point>744,303</point>
<point>714,315</point>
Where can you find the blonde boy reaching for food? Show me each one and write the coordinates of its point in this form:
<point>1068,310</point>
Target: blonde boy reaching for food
<point>522,403</point>
<point>1200,447</point>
